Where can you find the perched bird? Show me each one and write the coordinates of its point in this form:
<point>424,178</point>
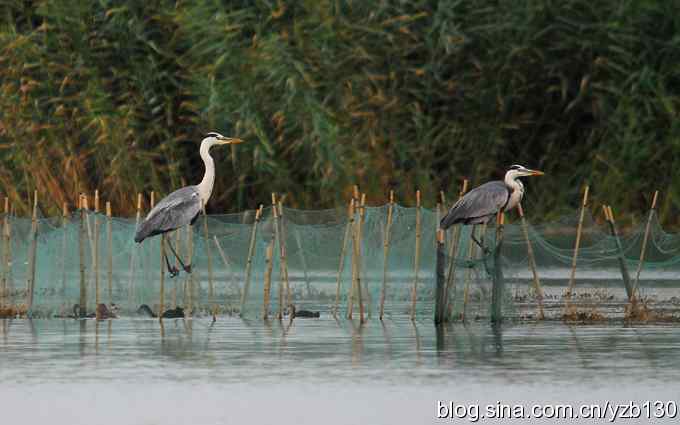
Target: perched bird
<point>484,202</point>
<point>183,206</point>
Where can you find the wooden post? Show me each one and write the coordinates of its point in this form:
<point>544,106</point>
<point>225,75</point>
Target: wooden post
<point>95,251</point>
<point>386,252</point>
<point>81,254</point>
<point>579,229</point>
<point>643,249</point>
<point>358,253</point>
<point>211,283</point>
<point>453,252</point>
<point>622,260</point>
<point>498,283</point>
<point>109,249</point>
<point>440,302</point>
<point>283,254</point>
<point>532,262</point>
<point>472,255</point>
<point>32,254</point>
<point>133,251</point>
<point>341,266</point>
<point>416,261</point>
<point>249,263</point>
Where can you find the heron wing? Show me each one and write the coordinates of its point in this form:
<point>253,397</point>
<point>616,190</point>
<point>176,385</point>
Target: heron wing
<point>174,211</point>
<point>482,201</point>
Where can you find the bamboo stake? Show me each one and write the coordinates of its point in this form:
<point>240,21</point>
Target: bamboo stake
<point>453,252</point>
<point>81,255</point>
<point>283,255</point>
<point>498,283</point>
<point>161,295</point>
<point>622,261</point>
<point>131,284</point>
<point>211,283</point>
<point>643,249</point>
<point>64,224</point>
<point>579,229</point>
<point>532,262</point>
<point>277,238</point>
<point>269,254</point>
<point>190,281</point>
<point>95,258</point>
<point>358,253</point>
<point>386,252</point>
<point>440,305</point>
<point>472,255</point>
<point>109,249</point>
<point>5,254</point>
<point>351,289</point>
<point>249,264</point>
<point>32,254</point>
<point>416,261</point>
<point>341,266</point>
<point>7,236</point>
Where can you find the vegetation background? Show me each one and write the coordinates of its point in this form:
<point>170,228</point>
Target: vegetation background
<point>394,94</point>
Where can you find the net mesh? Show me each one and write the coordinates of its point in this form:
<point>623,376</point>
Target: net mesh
<point>310,259</point>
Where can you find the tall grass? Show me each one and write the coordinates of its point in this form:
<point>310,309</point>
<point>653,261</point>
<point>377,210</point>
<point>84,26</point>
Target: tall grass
<point>387,94</point>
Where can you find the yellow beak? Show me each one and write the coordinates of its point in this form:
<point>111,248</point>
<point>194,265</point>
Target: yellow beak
<point>229,141</point>
<point>537,173</point>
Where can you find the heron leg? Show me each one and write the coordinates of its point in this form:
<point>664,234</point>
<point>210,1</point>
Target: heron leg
<point>187,268</point>
<point>171,269</point>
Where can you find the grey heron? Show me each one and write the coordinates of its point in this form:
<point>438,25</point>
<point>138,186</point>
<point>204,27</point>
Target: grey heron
<point>484,202</point>
<point>183,206</point>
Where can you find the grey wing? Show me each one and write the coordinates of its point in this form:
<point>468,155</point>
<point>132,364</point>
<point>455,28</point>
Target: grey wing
<point>480,202</point>
<point>172,212</point>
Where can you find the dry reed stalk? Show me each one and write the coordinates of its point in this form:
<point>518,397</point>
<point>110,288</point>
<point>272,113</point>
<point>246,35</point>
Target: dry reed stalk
<point>386,252</point>
<point>211,283</point>
<point>81,255</point>
<point>95,250</point>
<point>109,249</point>
<point>453,252</point>
<point>532,262</point>
<point>249,263</point>
<point>577,244</point>
<point>283,254</point>
<point>416,260</point>
<point>133,251</point>
<point>32,255</point>
<point>64,248</point>
<point>643,249</point>
<point>341,266</point>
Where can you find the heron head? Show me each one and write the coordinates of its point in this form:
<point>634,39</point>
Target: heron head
<point>214,138</point>
<point>521,171</point>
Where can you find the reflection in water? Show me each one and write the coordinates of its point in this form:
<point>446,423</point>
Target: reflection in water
<point>235,350</point>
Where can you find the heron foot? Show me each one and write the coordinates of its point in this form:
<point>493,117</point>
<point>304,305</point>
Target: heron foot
<point>187,268</point>
<point>173,271</point>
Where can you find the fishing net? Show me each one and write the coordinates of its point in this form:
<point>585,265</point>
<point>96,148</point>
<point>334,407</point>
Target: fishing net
<point>378,262</point>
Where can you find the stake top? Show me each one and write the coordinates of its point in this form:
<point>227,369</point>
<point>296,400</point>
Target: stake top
<point>585,195</point>
<point>96,200</point>
<point>139,202</point>
<point>64,209</point>
<point>418,198</point>
<point>656,195</point>
<point>108,208</point>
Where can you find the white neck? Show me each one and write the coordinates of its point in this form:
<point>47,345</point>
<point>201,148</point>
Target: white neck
<point>205,187</point>
<point>512,181</point>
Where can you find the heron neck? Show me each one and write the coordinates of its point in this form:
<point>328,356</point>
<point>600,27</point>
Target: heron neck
<point>512,181</point>
<point>205,187</point>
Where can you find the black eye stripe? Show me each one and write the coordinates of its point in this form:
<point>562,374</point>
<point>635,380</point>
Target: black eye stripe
<point>212,134</point>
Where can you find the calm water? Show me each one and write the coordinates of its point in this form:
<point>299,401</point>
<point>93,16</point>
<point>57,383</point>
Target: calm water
<point>319,370</point>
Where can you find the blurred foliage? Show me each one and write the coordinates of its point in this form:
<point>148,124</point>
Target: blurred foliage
<point>394,94</point>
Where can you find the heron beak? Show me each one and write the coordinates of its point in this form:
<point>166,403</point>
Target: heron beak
<point>536,173</point>
<point>229,141</point>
